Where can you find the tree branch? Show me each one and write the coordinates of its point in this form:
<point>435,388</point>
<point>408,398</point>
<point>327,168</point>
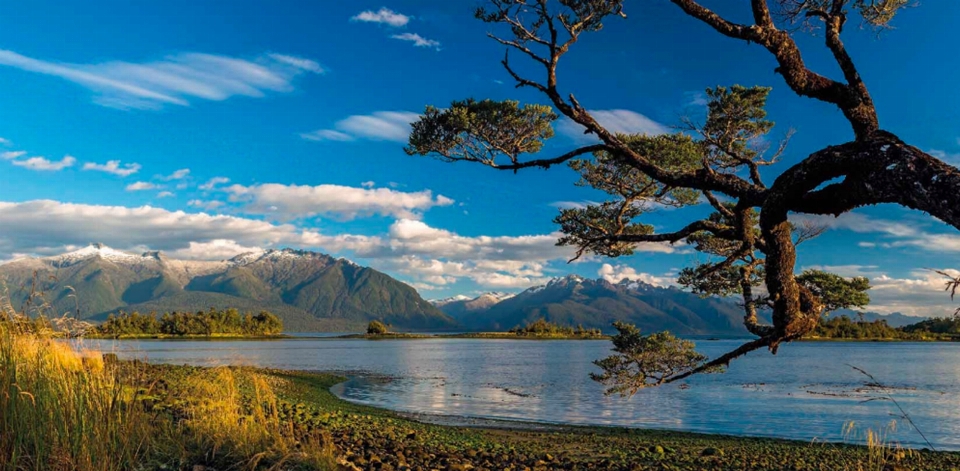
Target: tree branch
<point>546,163</point>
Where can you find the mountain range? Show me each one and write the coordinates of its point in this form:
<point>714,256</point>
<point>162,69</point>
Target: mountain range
<point>308,290</point>
<point>574,300</point>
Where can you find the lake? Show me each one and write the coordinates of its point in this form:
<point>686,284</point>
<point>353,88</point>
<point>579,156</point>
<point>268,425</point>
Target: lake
<point>806,392</point>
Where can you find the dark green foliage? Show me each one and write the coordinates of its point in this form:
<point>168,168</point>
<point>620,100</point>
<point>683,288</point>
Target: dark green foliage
<point>941,325</point>
<point>835,291</point>
<point>642,361</point>
<point>542,328</point>
<point>480,131</point>
<point>203,323</point>
<point>377,328</point>
<point>842,327</point>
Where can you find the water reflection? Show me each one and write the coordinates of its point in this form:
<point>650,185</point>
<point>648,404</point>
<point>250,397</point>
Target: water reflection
<point>806,392</point>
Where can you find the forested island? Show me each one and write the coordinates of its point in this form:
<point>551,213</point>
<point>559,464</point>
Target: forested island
<point>538,329</point>
<point>844,328</point>
<point>210,323</point>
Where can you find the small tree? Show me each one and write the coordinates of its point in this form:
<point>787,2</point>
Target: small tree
<point>641,361</point>
<point>377,328</point>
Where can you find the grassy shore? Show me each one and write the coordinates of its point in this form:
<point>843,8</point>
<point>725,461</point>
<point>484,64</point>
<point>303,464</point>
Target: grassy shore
<point>63,410</point>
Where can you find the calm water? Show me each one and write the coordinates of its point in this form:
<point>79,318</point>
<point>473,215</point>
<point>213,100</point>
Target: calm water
<point>806,392</point>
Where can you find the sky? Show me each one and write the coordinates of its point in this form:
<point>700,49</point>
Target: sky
<point>208,129</point>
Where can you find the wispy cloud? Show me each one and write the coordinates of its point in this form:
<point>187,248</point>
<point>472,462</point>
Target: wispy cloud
<point>378,126</point>
<point>165,194</point>
<point>5,142</point>
<point>327,135</point>
<point>952,158</point>
<point>113,167</point>
<point>44,165</point>
<point>213,182</point>
<point>615,121</point>
<point>417,40</point>
<point>142,186</point>
<point>174,80</point>
<point>177,175</point>
<point>383,16</point>
<point>13,154</point>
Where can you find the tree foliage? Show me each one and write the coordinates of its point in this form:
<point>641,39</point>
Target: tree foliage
<point>749,239</point>
<point>641,361</point>
<point>202,323</point>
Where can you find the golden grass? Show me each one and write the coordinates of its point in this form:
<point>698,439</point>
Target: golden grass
<point>64,409</point>
<point>61,409</point>
<point>882,452</point>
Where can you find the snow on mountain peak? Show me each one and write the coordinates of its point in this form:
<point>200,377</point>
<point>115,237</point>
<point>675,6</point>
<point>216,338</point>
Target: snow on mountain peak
<point>92,251</point>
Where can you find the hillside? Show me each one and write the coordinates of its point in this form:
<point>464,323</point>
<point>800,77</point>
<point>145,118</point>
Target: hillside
<point>597,304</point>
<point>308,290</point>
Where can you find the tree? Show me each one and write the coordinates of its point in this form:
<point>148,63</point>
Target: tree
<point>377,328</point>
<point>750,238</point>
<point>641,361</point>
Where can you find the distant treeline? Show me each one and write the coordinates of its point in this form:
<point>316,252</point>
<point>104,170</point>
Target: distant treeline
<point>843,327</point>
<point>179,324</point>
<point>542,328</point>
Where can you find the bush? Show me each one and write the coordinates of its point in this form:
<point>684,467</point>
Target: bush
<point>377,328</point>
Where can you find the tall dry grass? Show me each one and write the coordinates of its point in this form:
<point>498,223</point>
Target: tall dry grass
<point>64,409</point>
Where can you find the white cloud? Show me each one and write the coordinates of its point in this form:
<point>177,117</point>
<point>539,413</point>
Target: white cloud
<point>142,186</point>
<point>378,126</point>
<point>205,205</point>
<point>165,194</point>
<point>922,294</point>
<point>174,80</point>
<point>899,234</point>
<point>340,202</point>
<point>177,175</point>
<point>848,271</point>
<point>5,142</point>
<point>49,227</point>
<point>213,182</point>
<point>327,135</point>
<point>382,16</point>
<point>617,273</point>
<point>216,249</point>
<point>368,184</point>
<point>113,167</point>
<point>44,165</point>
<point>298,62</point>
<point>13,154</point>
<point>615,121</point>
<point>417,40</point>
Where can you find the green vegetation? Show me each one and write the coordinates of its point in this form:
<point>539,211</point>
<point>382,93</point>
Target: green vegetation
<point>64,409</point>
<point>843,328</point>
<point>540,328</point>
<point>210,323</point>
<point>377,328</point>
<point>642,361</point>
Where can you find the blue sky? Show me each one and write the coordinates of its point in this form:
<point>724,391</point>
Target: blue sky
<point>204,131</point>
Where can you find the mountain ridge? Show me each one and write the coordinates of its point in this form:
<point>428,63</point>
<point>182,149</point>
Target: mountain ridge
<point>309,290</point>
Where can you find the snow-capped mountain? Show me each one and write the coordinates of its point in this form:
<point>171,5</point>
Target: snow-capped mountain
<point>308,290</point>
<point>573,300</point>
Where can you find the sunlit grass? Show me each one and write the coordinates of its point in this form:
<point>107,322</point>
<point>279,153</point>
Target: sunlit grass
<point>62,408</point>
